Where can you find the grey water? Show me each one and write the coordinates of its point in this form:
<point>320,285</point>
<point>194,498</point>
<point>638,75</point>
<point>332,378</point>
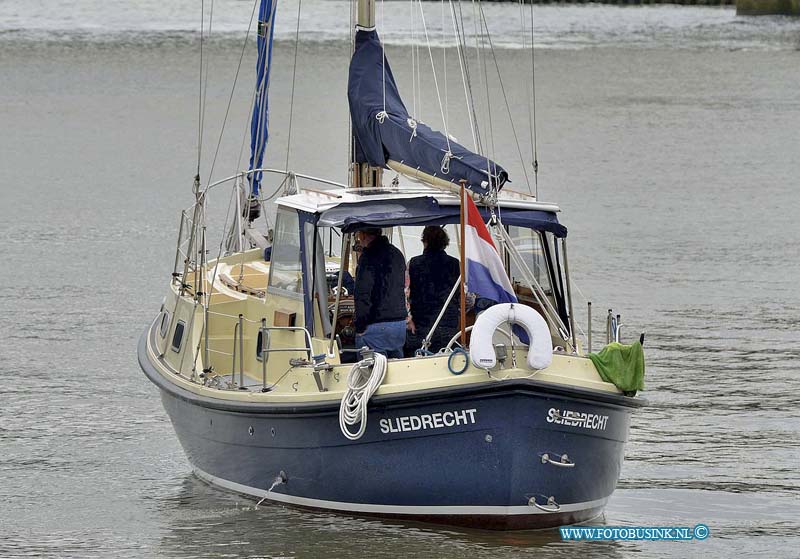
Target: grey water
<point>668,135</point>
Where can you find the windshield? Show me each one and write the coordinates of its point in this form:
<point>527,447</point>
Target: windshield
<point>529,245</point>
<point>285,268</point>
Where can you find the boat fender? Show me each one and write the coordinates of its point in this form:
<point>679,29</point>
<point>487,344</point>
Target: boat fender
<point>481,350</point>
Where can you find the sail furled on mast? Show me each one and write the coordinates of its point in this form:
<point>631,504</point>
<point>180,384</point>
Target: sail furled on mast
<point>385,131</point>
<point>259,124</point>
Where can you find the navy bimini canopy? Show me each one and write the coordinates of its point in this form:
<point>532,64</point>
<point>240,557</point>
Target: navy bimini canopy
<point>396,135</point>
<point>427,211</point>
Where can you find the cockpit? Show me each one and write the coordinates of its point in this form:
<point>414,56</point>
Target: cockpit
<point>315,257</point>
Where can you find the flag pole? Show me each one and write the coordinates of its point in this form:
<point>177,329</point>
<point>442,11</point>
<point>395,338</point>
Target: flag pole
<point>463,267</point>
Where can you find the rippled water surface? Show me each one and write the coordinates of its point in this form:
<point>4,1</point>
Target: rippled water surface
<point>563,26</point>
<point>667,134</point>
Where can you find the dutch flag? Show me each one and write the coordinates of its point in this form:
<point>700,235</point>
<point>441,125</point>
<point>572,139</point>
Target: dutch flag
<point>486,275</point>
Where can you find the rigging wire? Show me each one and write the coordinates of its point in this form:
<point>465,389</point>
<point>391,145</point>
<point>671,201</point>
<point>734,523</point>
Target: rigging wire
<point>483,80</point>
<point>230,98</point>
<point>294,77</point>
<point>505,97</point>
<point>210,285</point>
<point>350,137</point>
<point>465,76</point>
<point>383,61</point>
<point>436,85</point>
<point>414,57</point>
<point>248,124</point>
<point>535,161</point>
<point>419,80</point>
<point>444,65</point>
<point>200,92</point>
<point>204,92</point>
<point>531,95</point>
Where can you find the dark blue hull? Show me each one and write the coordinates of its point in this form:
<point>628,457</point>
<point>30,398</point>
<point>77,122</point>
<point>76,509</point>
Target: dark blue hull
<point>469,456</point>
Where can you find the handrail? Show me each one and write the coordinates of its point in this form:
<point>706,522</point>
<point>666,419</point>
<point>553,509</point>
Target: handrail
<point>309,344</point>
<point>238,341</point>
<point>264,345</point>
<point>589,320</point>
<point>238,331</point>
<point>233,355</point>
<point>178,245</point>
<point>613,327</point>
<point>550,506</point>
<point>241,353</point>
<point>564,461</point>
<point>283,172</point>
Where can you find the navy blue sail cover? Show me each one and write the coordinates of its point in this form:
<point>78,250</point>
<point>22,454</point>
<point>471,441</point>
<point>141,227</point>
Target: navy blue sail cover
<point>259,123</point>
<point>398,136</point>
<point>427,211</point>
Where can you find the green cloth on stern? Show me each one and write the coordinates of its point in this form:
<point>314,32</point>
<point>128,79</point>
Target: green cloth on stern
<point>622,365</point>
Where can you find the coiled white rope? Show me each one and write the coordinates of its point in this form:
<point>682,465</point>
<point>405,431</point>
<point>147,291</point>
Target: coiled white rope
<point>362,382</point>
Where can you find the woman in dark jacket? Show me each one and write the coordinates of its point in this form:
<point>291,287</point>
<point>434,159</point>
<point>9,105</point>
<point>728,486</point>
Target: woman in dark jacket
<point>431,279</point>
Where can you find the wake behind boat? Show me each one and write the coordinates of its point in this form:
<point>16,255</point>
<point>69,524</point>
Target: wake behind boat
<point>507,425</point>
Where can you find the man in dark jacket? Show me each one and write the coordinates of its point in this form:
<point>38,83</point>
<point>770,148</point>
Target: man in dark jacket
<point>380,295</point>
<point>432,276</point>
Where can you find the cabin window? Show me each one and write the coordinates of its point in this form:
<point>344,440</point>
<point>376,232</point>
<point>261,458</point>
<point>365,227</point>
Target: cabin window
<point>315,255</point>
<point>408,239</point>
<point>332,258</point>
<point>164,323</point>
<point>177,337</point>
<point>331,243</point>
<point>529,245</point>
<point>285,266</point>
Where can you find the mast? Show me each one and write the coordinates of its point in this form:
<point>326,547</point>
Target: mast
<point>366,14</point>
<point>259,121</point>
<point>364,174</point>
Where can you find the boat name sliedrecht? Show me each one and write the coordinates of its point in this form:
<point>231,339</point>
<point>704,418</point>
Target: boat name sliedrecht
<point>577,419</point>
<point>436,420</point>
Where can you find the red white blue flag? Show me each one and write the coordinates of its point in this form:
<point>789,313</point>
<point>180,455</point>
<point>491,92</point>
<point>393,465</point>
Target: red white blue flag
<point>486,275</point>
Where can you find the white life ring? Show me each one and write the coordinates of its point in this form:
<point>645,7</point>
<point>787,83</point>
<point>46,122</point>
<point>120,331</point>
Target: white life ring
<point>481,347</point>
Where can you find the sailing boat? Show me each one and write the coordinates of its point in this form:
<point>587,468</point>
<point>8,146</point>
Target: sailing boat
<point>509,426</point>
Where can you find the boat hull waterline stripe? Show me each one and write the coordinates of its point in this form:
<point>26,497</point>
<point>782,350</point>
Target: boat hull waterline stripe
<point>390,509</point>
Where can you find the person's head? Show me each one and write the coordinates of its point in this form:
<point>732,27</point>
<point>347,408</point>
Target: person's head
<point>435,238</point>
<point>366,236</point>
